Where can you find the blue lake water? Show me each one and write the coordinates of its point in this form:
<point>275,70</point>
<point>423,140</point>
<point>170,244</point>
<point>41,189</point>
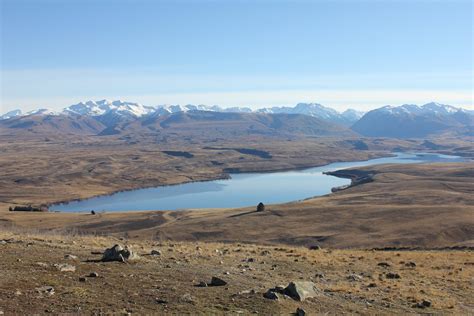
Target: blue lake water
<point>243,189</point>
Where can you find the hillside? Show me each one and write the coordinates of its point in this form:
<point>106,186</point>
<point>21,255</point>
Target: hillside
<point>38,125</point>
<point>195,124</point>
<point>221,124</point>
<point>64,274</point>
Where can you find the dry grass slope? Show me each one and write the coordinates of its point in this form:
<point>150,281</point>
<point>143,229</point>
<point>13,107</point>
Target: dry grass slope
<point>348,281</point>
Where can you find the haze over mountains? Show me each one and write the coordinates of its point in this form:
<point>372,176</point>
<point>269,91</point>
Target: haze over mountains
<point>118,117</point>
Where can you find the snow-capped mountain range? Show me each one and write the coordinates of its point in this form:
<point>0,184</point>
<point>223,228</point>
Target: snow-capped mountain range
<point>411,120</point>
<point>123,109</point>
<point>105,116</point>
<point>111,112</point>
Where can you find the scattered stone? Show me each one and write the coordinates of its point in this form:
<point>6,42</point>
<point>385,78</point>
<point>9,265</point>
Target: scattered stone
<point>93,275</point>
<point>372,285</point>
<point>410,264</point>
<point>45,290</point>
<point>64,267</point>
<point>161,301</point>
<point>354,277</point>
<point>187,298</point>
<point>384,264</point>
<point>392,275</point>
<point>118,253</point>
<point>215,281</point>
<point>315,247</point>
<point>18,293</point>
<point>42,264</point>
<point>155,253</point>
<point>301,290</point>
<point>300,312</point>
<point>423,304</point>
<point>82,279</point>
<point>319,275</point>
<point>70,257</point>
<point>202,284</point>
<point>271,295</point>
<point>252,291</point>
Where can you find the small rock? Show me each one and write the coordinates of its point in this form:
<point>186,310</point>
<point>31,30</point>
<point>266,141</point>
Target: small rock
<point>202,284</point>
<point>45,290</point>
<point>64,267</point>
<point>372,285</point>
<point>41,264</point>
<point>18,293</point>
<point>301,290</point>
<point>271,295</point>
<point>354,277</point>
<point>423,304</point>
<point>384,264</point>
<point>82,279</point>
<point>410,264</point>
<point>215,281</point>
<point>70,257</point>
<point>155,253</point>
<point>319,275</point>
<point>315,247</point>
<point>187,298</point>
<point>161,301</point>
<point>252,291</point>
<point>93,275</point>
<point>300,312</point>
<point>392,275</point>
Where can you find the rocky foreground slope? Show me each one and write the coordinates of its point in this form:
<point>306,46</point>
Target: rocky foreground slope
<point>44,274</point>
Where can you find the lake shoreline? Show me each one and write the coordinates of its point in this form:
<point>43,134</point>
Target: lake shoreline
<point>354,181</point>
<point>224,176</point>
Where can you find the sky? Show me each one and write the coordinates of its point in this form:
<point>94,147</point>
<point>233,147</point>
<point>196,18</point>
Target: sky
<point>359,54</point>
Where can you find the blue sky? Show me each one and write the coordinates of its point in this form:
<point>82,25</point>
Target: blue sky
<point>342,53</point>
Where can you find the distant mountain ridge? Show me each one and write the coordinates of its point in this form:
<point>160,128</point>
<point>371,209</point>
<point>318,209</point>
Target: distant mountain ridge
<point>120,110</point>
<point>111,117</point>
<point>409,120</point>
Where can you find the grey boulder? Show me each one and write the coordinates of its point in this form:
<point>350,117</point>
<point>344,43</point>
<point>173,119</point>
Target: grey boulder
<point>118,253</point>
<point>301,290</point>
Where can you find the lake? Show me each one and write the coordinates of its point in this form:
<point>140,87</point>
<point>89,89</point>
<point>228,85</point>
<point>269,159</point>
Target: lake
<point>242,189</point>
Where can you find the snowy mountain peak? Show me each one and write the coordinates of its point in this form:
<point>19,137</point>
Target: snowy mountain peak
<point>11,114</point>
<point>439,108</point>
<point>102,107</point>
<point>42,112</point>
